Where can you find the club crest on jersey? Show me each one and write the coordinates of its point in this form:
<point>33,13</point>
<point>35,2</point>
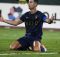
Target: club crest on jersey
<point>27,17</point>
<point>36,17</point>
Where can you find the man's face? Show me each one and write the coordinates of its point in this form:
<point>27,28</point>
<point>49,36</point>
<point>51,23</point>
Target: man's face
<point>31,4</point>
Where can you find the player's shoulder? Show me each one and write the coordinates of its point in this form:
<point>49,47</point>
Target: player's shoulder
<point>39,12</point>
<point>26,13</point>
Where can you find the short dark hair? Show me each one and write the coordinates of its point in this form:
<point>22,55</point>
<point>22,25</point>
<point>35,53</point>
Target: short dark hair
<point>34,1</point>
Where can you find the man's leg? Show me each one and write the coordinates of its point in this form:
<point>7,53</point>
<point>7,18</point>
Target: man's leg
<point>43,48</point>
<point>15,45</point>
<point>20,44</point>
<point>36,46</point>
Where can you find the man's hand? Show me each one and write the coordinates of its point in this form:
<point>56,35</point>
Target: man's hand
<point>50,20</point>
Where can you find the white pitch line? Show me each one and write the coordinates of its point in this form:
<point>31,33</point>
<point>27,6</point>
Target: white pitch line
<point>40,53</point>
<point>8,54</point>
<point>28,53</point>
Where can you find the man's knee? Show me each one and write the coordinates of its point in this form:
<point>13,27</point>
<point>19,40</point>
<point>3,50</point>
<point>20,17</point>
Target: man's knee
<point>36,46</point>
<point>15,45</point>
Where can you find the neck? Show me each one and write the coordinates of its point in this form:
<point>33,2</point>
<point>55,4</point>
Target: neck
<point>33,11</point>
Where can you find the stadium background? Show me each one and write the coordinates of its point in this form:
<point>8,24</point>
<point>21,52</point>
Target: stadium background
<point>50,2</point>
<point>44,6</point>
<point>51,38</point>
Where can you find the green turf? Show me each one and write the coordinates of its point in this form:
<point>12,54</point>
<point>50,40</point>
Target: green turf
<point>51,40</point>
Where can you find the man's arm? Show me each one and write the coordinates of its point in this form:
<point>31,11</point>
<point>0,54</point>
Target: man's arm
<point>12,22</point>
<point>49,21</point>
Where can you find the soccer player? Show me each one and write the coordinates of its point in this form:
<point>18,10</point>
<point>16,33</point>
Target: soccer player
<point>33,23</point>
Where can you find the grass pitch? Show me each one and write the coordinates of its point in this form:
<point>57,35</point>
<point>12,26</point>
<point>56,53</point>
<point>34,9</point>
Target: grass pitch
<point>51,40</point>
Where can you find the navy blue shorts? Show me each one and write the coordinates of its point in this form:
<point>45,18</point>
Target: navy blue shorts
<point>26,42</point>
